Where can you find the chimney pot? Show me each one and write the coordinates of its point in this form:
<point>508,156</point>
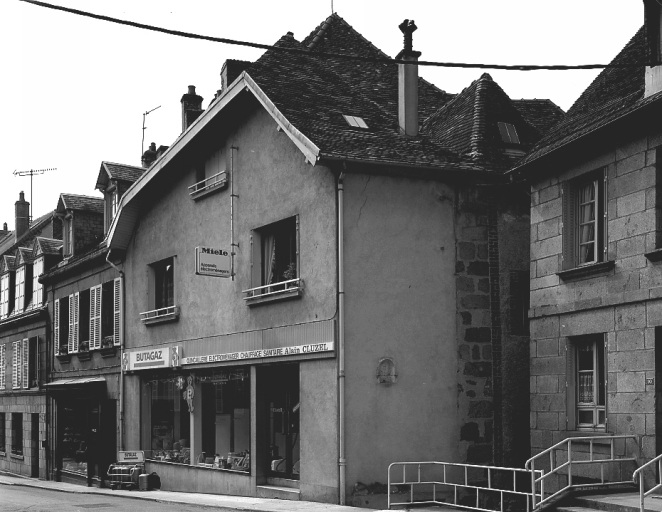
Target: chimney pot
<point>191,107</point>
<point>191,89</point>
<point>149,156</point>
<point>22,209</point>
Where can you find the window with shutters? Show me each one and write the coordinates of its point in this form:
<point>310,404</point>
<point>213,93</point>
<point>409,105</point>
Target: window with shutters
<point>37,288</point>
<point>584,223</point>
<point>117,312</point>
<point>29,362</point>
<point>17,364</point>
<point>61,325</point>
<point>72,339</point>
<point>95,317</point>
<point>3,369</point>
<point>84,308</point>
<point>586,383</point>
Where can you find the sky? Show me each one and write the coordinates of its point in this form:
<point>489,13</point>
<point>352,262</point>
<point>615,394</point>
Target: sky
<point>74,89</point>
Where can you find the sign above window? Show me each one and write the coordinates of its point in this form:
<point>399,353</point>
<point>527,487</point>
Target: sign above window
<point>161,357</point>
<point>212,262</point>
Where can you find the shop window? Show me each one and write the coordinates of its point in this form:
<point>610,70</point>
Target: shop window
<point>74,443</point>
<point>584,226</point>
<point>161,293</point>
<point>586,383</point>
<point>61,326</point>
<point>37,288</point>
<point>7,289</point>
<point>275,262</point>
<point>170,421</point>
<point>17,433</point>
<point>3,447</point>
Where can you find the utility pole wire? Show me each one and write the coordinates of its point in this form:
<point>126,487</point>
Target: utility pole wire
<point>301,51</point>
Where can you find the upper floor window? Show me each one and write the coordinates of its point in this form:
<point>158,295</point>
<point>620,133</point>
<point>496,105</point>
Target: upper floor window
<point>161,292</point>
<point>275,260</point>
<point>584,226</point>
<point>23,294</point>
<point>68,235</point>
<point>37,288</point>
<point>7,290</point>
<point>508,133</point>
<point>3,362</point>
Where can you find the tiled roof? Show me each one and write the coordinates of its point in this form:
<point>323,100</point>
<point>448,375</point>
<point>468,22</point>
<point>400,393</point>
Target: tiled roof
<point>615,92</point>
<point>113,171</point>
<point>7,262</point>
<point>76,202</point>
<point>47,246</point>
<point>543,114</point>
<point>23,255</point>
<point>8,244</point>
<point>313,93</point>
<point>468,124</point>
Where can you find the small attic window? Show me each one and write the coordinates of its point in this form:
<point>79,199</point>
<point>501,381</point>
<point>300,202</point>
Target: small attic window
<point>355,121</point>
<point>508,133</point>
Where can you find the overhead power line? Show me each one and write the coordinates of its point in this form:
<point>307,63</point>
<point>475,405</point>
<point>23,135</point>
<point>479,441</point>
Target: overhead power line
<point>362,58</point>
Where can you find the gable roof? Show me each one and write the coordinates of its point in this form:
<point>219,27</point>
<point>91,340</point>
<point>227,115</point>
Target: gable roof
<point>46,246</point>
<point>80,203</point>
<point>122,172</point>
<point>8,244</point>
<point>7,263</point>
<point>615,93</point>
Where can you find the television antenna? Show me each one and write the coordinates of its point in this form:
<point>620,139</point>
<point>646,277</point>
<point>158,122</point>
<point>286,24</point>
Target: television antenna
<point>31,173</point>
<point>142,146</point>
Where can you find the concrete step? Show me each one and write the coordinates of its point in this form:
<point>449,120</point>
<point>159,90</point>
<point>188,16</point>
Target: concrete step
<point>278,492</point>
<point>616,502</point>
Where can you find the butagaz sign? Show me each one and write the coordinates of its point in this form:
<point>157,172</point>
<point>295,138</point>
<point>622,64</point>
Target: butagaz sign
<point>152,358</point>
<point>212,262</point>
<point>297,350</point>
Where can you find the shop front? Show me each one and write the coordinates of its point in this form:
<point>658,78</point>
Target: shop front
<point>228,422</point>
<point>85,434</point>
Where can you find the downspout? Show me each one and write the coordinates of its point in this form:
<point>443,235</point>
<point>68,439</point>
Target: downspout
<point>121,422</point>
<point>342,462</point>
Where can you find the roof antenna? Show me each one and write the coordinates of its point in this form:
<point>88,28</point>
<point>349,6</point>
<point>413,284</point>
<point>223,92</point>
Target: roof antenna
<point>332,11</point>
<point>142,146</point>
<point>31,173</point>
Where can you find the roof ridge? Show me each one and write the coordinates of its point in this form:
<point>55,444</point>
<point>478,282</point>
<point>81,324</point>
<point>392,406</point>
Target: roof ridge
<point>104,162</point>
<point>479,117</point>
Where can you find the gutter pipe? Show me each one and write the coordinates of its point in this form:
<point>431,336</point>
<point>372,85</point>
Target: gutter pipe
<point>342,461</point>
<point>121,422</point>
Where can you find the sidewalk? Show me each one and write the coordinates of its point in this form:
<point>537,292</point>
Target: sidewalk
<point>239,503</point>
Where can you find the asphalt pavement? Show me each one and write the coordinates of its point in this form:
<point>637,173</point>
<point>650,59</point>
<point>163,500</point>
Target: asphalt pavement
<point>238,503</point>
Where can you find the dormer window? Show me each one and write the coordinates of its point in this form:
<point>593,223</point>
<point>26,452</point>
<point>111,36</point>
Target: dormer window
<point>23,294</point>
<point>68,232</point>
<point>508,133</point>
<point>6,293</point>
<point>37,289</point>
<point>355,121</point>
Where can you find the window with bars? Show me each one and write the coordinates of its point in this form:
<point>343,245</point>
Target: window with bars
<point>587,383</point>
<point>584,220</point>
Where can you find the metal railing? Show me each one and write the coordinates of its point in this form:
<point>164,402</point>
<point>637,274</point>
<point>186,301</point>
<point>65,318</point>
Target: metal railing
<point>570,461</point>
<point>290,285</point>
<point>481,485</point>
<point>161,313</point>
<point>201,188</point>
<point>639,473</point>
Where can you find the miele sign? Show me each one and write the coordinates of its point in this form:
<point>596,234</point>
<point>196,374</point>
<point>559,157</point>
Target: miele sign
<point>153,358</point>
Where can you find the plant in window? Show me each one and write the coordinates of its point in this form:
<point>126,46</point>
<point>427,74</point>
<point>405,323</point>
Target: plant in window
<point>107,342</point>
<point>84,346</point>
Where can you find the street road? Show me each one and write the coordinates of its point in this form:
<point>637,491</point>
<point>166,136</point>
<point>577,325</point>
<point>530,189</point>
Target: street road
<point>16,498</point>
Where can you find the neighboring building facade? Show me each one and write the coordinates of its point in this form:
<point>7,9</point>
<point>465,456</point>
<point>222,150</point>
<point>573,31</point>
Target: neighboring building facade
<point>85,297</point>
<point>596,301</point>
<point>24,329</point>
<point>314,288</point>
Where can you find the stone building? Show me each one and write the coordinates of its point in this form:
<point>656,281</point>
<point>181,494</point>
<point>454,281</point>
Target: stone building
<point>323,275</point>
<point>596,296</point>
<point>32,248</point>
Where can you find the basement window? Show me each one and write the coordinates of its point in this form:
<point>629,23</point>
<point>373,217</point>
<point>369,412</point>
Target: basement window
<point>508,133</point>
<point>355,122</point>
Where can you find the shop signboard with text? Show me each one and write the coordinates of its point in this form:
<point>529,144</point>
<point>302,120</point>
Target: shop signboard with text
<point>152,358</point>
<point>211,261</point>
<point>297,350</point>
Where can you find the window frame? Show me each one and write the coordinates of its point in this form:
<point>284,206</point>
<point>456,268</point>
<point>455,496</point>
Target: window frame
<point>574,407</point>
<point>5,302</point>
<point>3,366</point>
<point>17,434</point>
<point>160,309</point>
<point>19,294</point>
<point>3,433</point>
<point>37,288</point>
<point>17,364</point>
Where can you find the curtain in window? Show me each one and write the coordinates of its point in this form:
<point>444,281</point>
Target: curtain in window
<point>587,222</point>
<point>269,259</point>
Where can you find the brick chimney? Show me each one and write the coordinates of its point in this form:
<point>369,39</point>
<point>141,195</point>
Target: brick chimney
<point>4,231</point>
<point>191,107</point>
<point>653,24</point>
<point>149,156</point>
<point>231,70</point>
<point>22,216</point>
<point>408,82</point>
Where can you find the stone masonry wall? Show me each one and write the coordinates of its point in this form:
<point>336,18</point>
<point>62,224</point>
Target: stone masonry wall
<point>27,405</point>
<point>623,302</point>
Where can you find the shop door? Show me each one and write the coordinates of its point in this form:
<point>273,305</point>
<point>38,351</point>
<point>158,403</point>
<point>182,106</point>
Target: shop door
<point>34,445</point>
<point>282,402</point>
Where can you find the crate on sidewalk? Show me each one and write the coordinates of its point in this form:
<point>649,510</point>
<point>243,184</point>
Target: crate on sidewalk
<point>125,473</point>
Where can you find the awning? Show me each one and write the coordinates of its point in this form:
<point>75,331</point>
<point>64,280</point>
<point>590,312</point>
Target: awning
<point>75,382</point>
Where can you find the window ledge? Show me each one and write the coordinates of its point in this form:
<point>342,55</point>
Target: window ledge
<point>18,457</point>
<point>586,270</point>
<point>208,186</point>
<point>64,358</point>
<point>3,453</point>
<point>85,356</point>
<point>108,351</point>
<point>655,255</point>
<point>159,316</point>
<point>265,294</point>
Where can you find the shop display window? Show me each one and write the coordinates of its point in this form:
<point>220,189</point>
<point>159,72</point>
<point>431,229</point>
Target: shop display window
<point>225,416</point>
<point>74,444</point>
<point>170,422</point>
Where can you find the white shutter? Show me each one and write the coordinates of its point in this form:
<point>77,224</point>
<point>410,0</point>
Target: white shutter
<point>2,366</point>
<point>16,364</point>
<point>95,317</point>
<point>117,311</point>
<point>75,323</point>
<point>56,325</point>
<point>25,374</point>
<point>4,295</point>
<point>37,289</point>
<point>72,330</point>
<point>20,290</point>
